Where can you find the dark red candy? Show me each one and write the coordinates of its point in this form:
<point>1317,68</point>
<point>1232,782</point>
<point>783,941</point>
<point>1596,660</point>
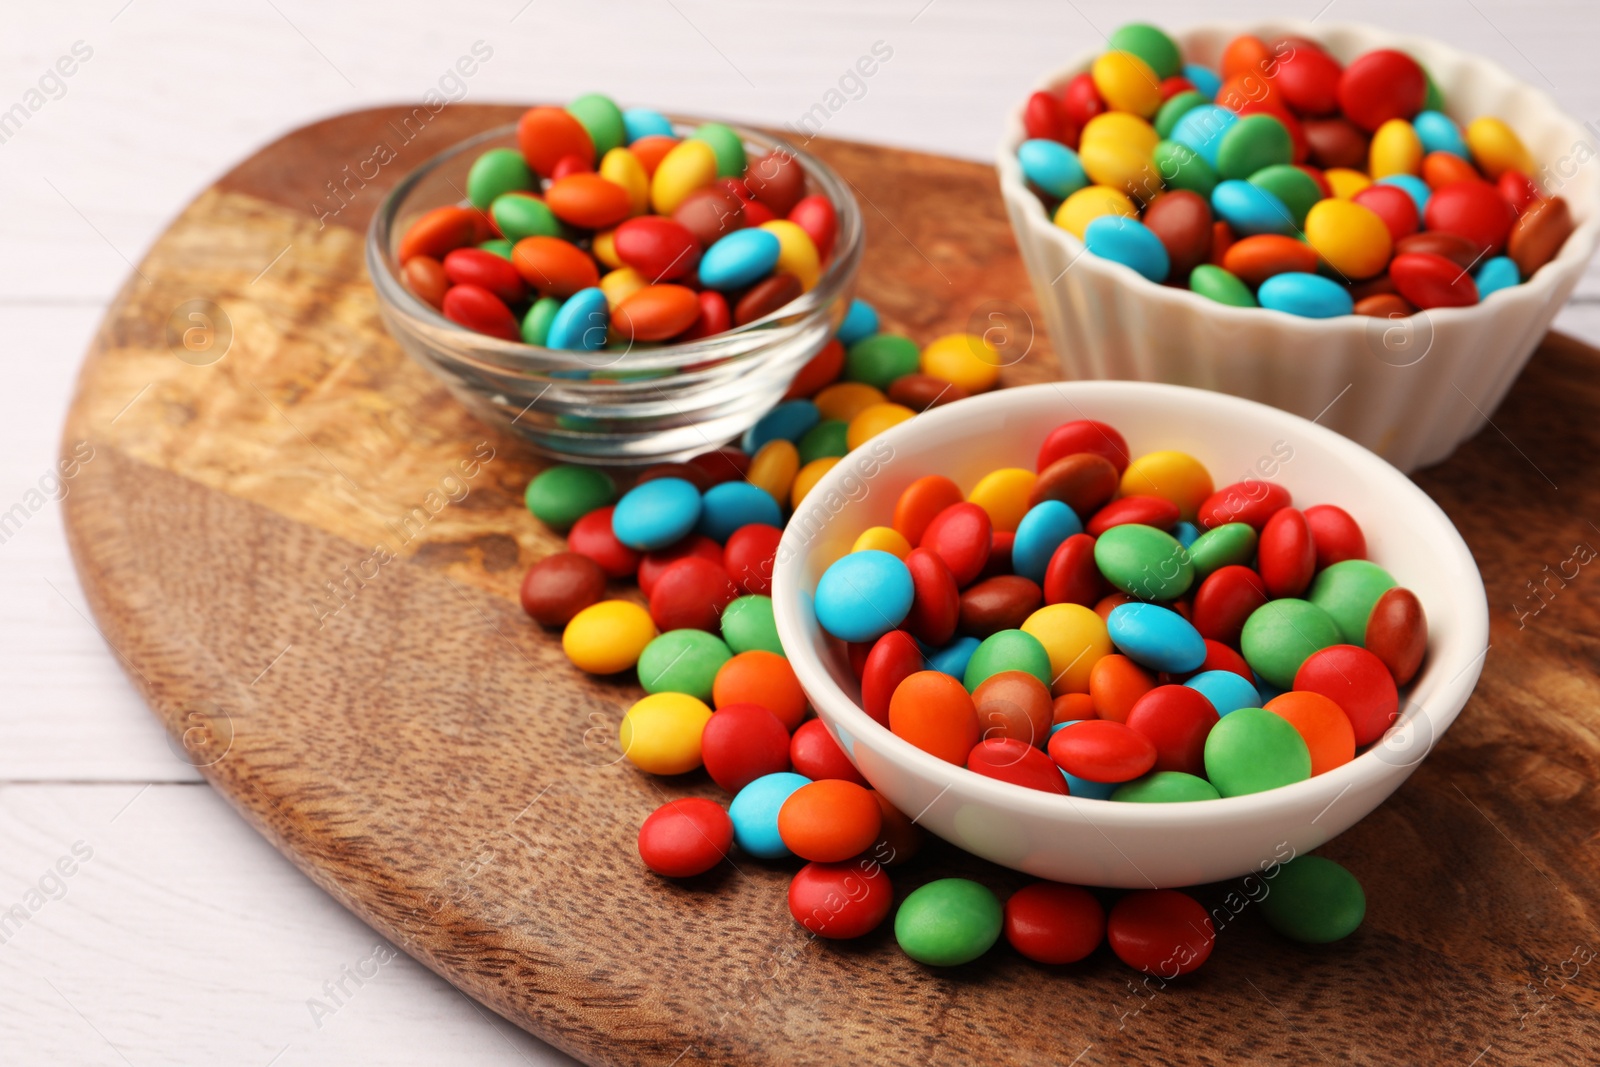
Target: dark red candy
<point>653,564</point>
<point>1002,602</point>
<point>1358,682</point>
<point>591,536</point>
<point>1219,657</point>
<point>815,215</point>
<point>766,297</point>
<point>477,308</point>
<point>1177,720</point>
<point>1381,85</point>
<point>1134,510</point>
<point>999,561</point>
<point>815,754</point>
<point>561,585</point>
<point>1102,751</point>
<point>1225,600</point>
<point>474,266</point>
<point>1181,220</point>
<point>1161,932</point>
<point>1431,281</point>
<point>840,901</point>
<point>569,165</point>
<point>1053,923</point>
<point>685,837</point>
<point>856,652</point>
<point>1084,435</point>
<point>961,534</point>
<point>1072,577</point>
<point>1044,118</point>
<point>1285,555</point>
<point>1452,246</point>
<point>1335,142</point>
<point>1337,536</point>
<point>726,464</point>
<point>1251,501</point>
<point>748,557</point>
<point>715,316</point>
<point>894,658</point>
<point>1013,760</point>
<point>1472,209</point>
<point>1308,79</point>
<point>710,214</point>
<point>1083,481</point>
<point>776,180</point>
<point>919,392</point>
<point>935,601</point>
<point>1397,633</point>
<point>742,742</point>
<point>690,473</point>
<point>659,248</point>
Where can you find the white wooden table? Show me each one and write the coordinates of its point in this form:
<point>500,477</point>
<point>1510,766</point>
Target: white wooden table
<point>159,928</point>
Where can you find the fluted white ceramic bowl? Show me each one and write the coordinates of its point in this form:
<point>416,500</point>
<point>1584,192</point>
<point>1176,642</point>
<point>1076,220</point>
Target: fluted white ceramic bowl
<point>1409,389</point>
<point>1098,842</point>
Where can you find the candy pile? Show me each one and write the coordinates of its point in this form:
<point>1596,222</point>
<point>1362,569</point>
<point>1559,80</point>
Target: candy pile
<point>604,228</point>
<point>1287,180</point>
<point>1118,629</point>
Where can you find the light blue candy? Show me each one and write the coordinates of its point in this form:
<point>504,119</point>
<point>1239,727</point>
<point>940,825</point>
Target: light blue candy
<point>1156,637</point>
<point>754,813</point>
<point>1201,129</point>
<point>644,122</point>
<point>1039,534</point>
<point>726,507</point>
<point>864,595</point>
<point>656,513</point>
<point>1082,788</point>
<point>739,258</point>
<point>1438,132</point>
<point>1052,166</point>
<point>1129,242</point>
<point>580,324</point>
<point>1496,274</point>
<point>953,658</point>
<point>1249,209</point>
<point>1226,691</point>
<point>1186,532</point>
<point>860,321</point>
<point>1207,82</point>
<point>788,421</point>
<point>1414,186</point>
<point>1310,296</point>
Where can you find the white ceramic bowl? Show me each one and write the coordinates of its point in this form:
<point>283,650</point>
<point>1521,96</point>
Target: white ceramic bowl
<point>1409,389</point>
<point>1096,842</point>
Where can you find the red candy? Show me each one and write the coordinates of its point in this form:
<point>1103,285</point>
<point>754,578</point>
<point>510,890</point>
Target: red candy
<point>690,595</point>
<point>686,837</point>
<point>1102,751</point>
<point>477,308</point>
<point>1176,719</point>
<point>1015,761</point>
<point>894,658</point>
<point>743,742</point>
<point>1381,85</point>
<point>815,754</point>
<point>1397,633</point>
<point>1084,435</point>
<point>840,901</point>
<point>474,266</point>
<point>1045,118</point>
<point>1161,932</point>
<point>1225,600</point>
<point>1336,535</point>
<point>1472,209</point>
<point>1053,923</point>
<point>1432,281</point>
<point>591,536</point>
<point>815,215</point>
<point>1394,206</point>
<point>1251,501</point>
<point>748,557</point>
<point>1358,682</point>
<point>961,536</point>
<point>936,602</point>
<point>1080,101</point>
<point>1072,577</point>
<point>1219,657</point>
<point>1139,510</point>
<point>653,564</point>
<point>1308,79</point>
<point>1286,556</point>
<point>658,248</point>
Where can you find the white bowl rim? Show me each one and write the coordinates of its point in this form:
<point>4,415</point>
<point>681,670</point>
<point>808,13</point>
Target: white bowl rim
<point>1366,770</point>
<point>1540,289</point>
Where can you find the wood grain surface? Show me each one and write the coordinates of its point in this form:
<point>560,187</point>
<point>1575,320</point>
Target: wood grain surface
<point>306,557</point>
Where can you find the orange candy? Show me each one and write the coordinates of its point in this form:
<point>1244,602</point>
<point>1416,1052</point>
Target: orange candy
<point>1245,54</point>
<point>830,821</point>
<point>439,231</point>
<point>1255,259</point>
<point>656,313</point>
<point>588,200</point>
<point>425,276</point>
<point>1072,707</point>
<point>1110,602</point>
<point>934,712</point>
<point>547,135</point>
<point>918,504</point>
<point>1322,724</point>
<point>765,678</point>
<point>1446,168</point>
<point>1115,682</point>
<point>553,266</point>
<point>1014,704</point>
<point>820,370</point>
<point>651,150</point>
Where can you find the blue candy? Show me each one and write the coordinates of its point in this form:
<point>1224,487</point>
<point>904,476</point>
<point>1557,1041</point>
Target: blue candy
<point>1438,132</point>
<point>1082,788</point>
<point>1201,128</point>
<point>580,324</point>
<point>1156,637</point>
<point>1226,691</point>
<point>864,595</point>
<point>1052,166</point>
<point>788,421</point>
<point>644,122</point>
<point>739,258</point>
<point>953,658</point>
<point>1205,80</point>
<point>1308,295</point>
<point>1415,186</point>
<point>730,505</point>
<point>1496,274</point>
<point>1129,242</point>
<point>754,813</point>
<point>1250,210</point>
<point>859,322</point>
<point>1039,534</point>
<point>1187,533</point>
<point>656,513</point>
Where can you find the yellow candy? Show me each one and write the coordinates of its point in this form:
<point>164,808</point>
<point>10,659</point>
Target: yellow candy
<point>1075,638</point>
<point>773,468</point>
<point>966,359</point>
<point>1119,127</point>
<point>1396,149</point>
<point>607,637</point>
<point>605,249</point>
<point>1496,148</point>
<point>620,284</point>
<point>1346,183</point>
<point>883,539</point>
<point>1126,83</point>
<point>1122,167</point>
<point>843,401</point>
<point>623,168</point>
<point>1003,494</point>
<point>661,733</point>
<point>871,421</point>
<point>689,166</point>
<point>797,253</point>
<point>1351,237</point>
<point>1174,476</point>
<point>1088,204</point>
<point>808,477</point>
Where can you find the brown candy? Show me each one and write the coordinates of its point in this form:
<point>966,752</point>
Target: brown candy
<point>1003,602</point>
<point>710,214</point>
<point>1014,704</point>
<point>694,474</point>
<point>1182,221</point>
<point>561,585</point>
<point>765,297</point>
<point>777,180</point>
<point>1539,234</point>
<point>1083,481</point>
<point>1397,633</point>
<point>1384,306</point>
<point>1335,142</point>
<point>919,392</point>
<point>1452,246</point>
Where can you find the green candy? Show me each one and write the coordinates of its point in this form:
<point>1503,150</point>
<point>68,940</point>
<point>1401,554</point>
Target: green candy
<point>1181,167</point>
<point>1252,143</point>
<point>1297,189</point>
<point>747,624</point>
<point>1144,562</point>
<point>1177,106</point>
<point>826,438</point>
<point>948,922</point>
<point>559,496</point>
<point>1251,750</point>
<point>880,359</point>
<point>597,114</point>
<point>1151,45</point>
<point>1223,286</point>
<point>727,145</point>
<point>1224,546</point>
<point>682,661</point>
<point>1433,99</point>
<point>1008,650</point>
<point>1348,591</point>
<point>495,173</point>
<point>523,216</point>
<point>1314,900</point>
<point>1166,787</point>
<point>499,246</point>
<point>536,323</point>
<point>1280,634</point>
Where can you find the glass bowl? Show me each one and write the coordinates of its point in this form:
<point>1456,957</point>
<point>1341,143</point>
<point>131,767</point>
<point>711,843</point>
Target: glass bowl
<point>628,406</point>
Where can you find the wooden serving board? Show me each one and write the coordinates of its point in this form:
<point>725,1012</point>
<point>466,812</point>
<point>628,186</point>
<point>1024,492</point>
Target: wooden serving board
<point>427,756</point>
